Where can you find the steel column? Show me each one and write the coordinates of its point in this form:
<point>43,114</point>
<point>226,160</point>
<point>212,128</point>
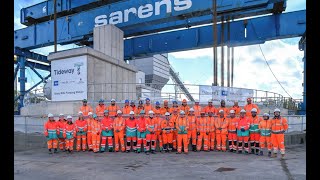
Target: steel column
<point>16,71</point>
<point>215,44</point>
<point>228,55</point>
<point>22,80</point>
<point>222,52</point>
<point>34,70</point>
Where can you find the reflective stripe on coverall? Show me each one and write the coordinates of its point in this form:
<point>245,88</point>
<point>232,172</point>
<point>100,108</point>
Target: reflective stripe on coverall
<point>107,133</point>
<point>254,132</point>
<point>81,128</point>
<point>113,110</point>
<point>182,126</point>
<point>221,135</point>
<point>141,133</point>
<point>212,132</point>
<point>131,134</point>
<point>119,125</point>
<point>151,125</point>
<point>86,109</point>
<point>69,134</point>
<point>203,128</point>
<point>51,131</point>
<point>61,124</point>
<point>243,137</point>
<point>167,127</point>
<point>100,110</point>
<point>192,131</point>
<point>95,131</point>
<point>232,133</point>
<point>278,127</point>
<point>265,134</point>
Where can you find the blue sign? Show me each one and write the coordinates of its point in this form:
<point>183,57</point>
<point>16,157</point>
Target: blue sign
<point>55,83</point>
<point>224,93</point>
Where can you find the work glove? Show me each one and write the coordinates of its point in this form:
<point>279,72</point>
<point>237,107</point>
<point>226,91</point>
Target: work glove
<point>207,133</point>
<point>198,133</point>
<point>124,136</point>
<point>242,130</point>
<point>98,133</point>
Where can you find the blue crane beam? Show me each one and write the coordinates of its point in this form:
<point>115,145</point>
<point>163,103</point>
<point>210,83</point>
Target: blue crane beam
<point>258,30</point>
<point>77,27</point>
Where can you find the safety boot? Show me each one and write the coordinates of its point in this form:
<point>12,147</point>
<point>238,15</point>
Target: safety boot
<point>257,151</point>
<point>269,154</point>
<point>127,151</point>
<point>194,148</point>
<point>261,153</point>
<point>55,150</point>
<point>282,156</point>
<point>230,150</point>
<point>153,152</point>
<point>147,153</point>
<point>252,151</point>
<point>274,155</point>
<point>246,152</point>
<point>50,152</point>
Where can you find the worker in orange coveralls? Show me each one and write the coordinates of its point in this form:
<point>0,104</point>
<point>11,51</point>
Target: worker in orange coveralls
<point>250,106</point>
<point>236,108</point>
<point>113,108</point>
<point>192,132</point>
<point>100,108</point>
<point>132,106</point>
<point>174,107</point>
<point>61,123</point>
<point>51,131</point>
<point>224,108</point>
<point>148,106</point>
<point>221,125</point>
<point>167,127</point>
<point>151,125</point>
<point>141,132</point>
<point>243,132</point>
<point>210,108</point>
<point>126,108</point>
<point>212,131</point>
<point>184,107</point>
<point>182,126</point>
<point>81,129</point>
<point>232,131</point>
<point>158,129</point>
<point>69,133</point>
<point>85,108</point>
<point>131,132</point>
<point>107,132</point>
<point>174,117</point>
<point>279,125</point>
<point>265,132</point>
<point>254,132</point>
<point>165,107</point>
<point>89,120</point>
<point>96,131</point>
<point>197,108</point>
<point>202,132</point>
<point>119,127</point>
<point>140,107</point>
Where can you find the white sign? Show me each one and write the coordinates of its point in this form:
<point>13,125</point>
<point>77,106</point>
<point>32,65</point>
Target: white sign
<point>217,93</point>
<point>69,79</point>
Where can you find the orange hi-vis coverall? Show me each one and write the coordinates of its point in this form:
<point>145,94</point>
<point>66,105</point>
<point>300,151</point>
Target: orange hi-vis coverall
<point>100,110</point>
<point>126,110</point>
<point>232,133</point>
<point>197,110</point>
<point>159,132</point>
<point>174,118</point>
<point>182,126</point>
<point>69,134</point>
<point>51,131</point>
<point>147,108</point>
<point>243,135</point>
<point>208,109</point>
<point>113,110</point>
<point>133,108</point>
<point>225,110</point>
<point>141,133</point>
<point>89,132</point>
<point>138,110</point>
<point>185,108</point>
<point>96,131</point>
<point>81,128</point>
<point>156,110</point>
<point>203,132</point>
<point>167,127</point>
<point>236,109</point>
<point>212,132</point>
<point>221,125</point>
<point>278,127</point>
<point>254,133</point>
<point>164,109</point>
<point>119,126</point>
<point>249,107</point>
<point>107,133</point>
<point>131,134</point>
<point>86,109</point>
<point>61,124</point>
<point>151,124</point>
<point>192,131</point>
<point>172,109</point>
<point>265,134</point>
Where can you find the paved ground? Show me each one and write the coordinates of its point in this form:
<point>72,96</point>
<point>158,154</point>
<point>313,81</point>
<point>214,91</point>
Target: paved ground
<point>37,164</point>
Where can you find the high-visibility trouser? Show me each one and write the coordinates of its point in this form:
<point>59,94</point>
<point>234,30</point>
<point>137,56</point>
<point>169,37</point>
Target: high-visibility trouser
<point>243,140</point>
<point>95,142</point>
<point>278,143</point>
<point>118,136</point>
<point>254,140</point>
<point>83,139</point>
<point>167,139</point>
<point>69,144</point>
<point>151,139</point>
<point>61,143</point>
<point>159,138</point>
<point>265,140</point>
<point>203,136</point>
<point>89,140</point>
<point>232,138</point>
<point>52,143</point>
<point>184,138</point>
<point>103,142</point>
<point>131,142</point>
<point>174,139</point>
<point>221,141</point>
<point>211,140</point>
<point>192,135</point>
<point>141,139</point>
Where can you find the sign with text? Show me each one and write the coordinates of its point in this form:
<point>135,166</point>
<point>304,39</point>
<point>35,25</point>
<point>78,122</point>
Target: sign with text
<point>69,79</point>
<point>217,93</point>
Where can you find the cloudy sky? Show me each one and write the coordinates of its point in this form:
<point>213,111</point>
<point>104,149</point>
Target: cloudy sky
<point>251,70</point>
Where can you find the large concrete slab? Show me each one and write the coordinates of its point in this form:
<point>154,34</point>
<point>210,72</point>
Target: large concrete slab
<point>37,164</point>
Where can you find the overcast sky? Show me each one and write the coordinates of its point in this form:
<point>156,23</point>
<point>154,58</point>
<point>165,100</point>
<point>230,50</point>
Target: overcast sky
<point>250,71</point>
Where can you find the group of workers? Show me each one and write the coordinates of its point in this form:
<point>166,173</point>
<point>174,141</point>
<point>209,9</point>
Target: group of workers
<point>173,128</point>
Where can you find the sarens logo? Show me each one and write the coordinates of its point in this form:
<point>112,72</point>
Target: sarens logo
<point>143,11</point>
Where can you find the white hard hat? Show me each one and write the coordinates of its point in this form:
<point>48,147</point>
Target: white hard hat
<point>50,115</point>
<point>266,114</point>
<point>232,111</point>
<point>61,114</point>
<point>90,113</point>
<point>182,112</point>
<point>221,110</point>
<point>131,112</point>
<point>253,110</point>
<point>243,111</point>
<point>167,114</point>
<point>210,100</point>
<point>191,109</point>
<point>80,112</point>
<point>113,100</point>
<point>69,117</point>
<point>276,110</point>
<point>119,112</point>
<point>151,112</point>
